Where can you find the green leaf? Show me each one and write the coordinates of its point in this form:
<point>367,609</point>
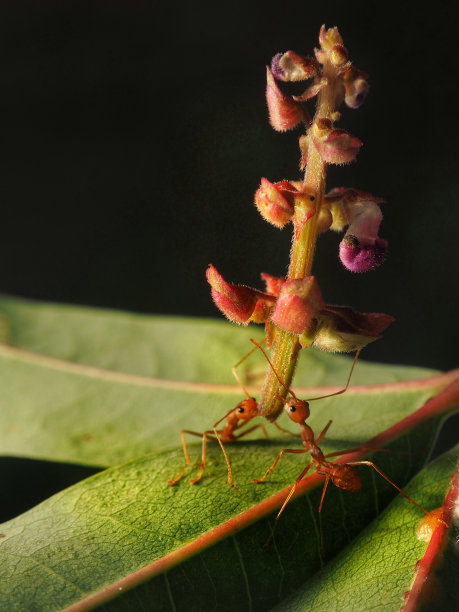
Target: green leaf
<point>74,390</point>
<point>114,531</point>
<point>67,397</point>
<point>166,347</point>
<point>377,569</point>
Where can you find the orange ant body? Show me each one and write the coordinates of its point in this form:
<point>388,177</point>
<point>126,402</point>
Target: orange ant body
<point>343,475</point>
<point>236,418</point>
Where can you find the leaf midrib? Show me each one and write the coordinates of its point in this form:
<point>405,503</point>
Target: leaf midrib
<point>25,356</point>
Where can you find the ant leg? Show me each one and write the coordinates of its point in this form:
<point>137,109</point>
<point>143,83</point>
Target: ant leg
<point>375,467</point>
<point>286,431</point>
<point>244,433</point>
<point>234,369</point>
<point>344,389</point>
<point>205,435</point>
<point>185,452</point>
<point>287,499</point>
<point>228,464</point>
<point>322,433</point>
<point>273,467</point>
<point>322,546</point>
<point>241,435</point>
<point>356,449</point>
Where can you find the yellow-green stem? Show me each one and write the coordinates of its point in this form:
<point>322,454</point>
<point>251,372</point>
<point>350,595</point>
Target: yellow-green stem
<point>286,346</point>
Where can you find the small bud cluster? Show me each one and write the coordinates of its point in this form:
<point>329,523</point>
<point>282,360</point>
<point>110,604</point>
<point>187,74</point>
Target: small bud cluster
<point>294,306</point>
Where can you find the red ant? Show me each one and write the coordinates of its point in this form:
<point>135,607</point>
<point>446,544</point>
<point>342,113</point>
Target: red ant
<point>343,475</point>
<point>236,418</point>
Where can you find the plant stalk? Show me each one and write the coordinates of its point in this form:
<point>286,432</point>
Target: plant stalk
<point>286,346</point>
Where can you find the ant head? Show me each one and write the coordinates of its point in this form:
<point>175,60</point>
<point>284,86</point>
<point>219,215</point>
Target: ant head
<point>247,409</point>
<point>297,409</point>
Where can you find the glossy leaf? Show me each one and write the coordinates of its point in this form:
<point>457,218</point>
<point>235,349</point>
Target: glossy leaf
<point>124,527</point>
<point>87,398</point>
<point>75,389</point>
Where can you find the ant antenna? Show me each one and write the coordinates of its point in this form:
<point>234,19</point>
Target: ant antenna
<point>344,389</point>
<point>273,369</point>
<point>234,368</point>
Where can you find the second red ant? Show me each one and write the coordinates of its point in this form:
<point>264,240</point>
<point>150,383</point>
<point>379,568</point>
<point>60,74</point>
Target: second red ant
<point>343,475</point>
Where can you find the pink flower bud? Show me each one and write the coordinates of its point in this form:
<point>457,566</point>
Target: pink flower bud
<point>239,303</point>
<point>337,147</point>
<point>274,202</point>
<point>343,330</point>
<point>299,302</point>
<point>361,249</point>
<point>290,66</point>
<point>284,113</point>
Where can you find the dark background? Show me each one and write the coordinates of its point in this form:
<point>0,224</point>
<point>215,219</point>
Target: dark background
<point>135,134</point>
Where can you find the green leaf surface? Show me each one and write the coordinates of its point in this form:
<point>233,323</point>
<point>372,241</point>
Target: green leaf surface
<point>74,391</point>
<point>67,397</point>
<point>112,532</point>
<point>377,569</point>
<point>167,347</point>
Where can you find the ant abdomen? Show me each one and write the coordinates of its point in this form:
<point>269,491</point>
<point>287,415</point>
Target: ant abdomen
<point>346,477</point>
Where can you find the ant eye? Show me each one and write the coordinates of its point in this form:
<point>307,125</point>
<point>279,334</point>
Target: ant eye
<point>312,198</point>
<point>292,408</point>
<point>240,409</point>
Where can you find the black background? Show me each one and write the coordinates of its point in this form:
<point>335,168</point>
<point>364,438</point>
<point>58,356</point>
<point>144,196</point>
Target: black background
<point>135,134</point>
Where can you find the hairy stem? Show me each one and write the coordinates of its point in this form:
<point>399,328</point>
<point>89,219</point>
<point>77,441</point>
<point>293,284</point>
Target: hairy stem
<point>286,346</point>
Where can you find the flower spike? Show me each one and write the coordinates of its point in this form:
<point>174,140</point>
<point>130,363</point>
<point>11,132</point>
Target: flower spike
<point>292,309</point>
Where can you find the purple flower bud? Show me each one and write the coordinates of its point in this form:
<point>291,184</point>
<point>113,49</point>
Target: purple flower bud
<point>358,257</point>
<point>361,249</point>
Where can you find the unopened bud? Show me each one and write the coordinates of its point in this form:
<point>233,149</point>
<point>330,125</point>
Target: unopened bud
<point>338,55</point>
<point>329,38</point>
<point>299,302</point>
<point>274,202</point>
